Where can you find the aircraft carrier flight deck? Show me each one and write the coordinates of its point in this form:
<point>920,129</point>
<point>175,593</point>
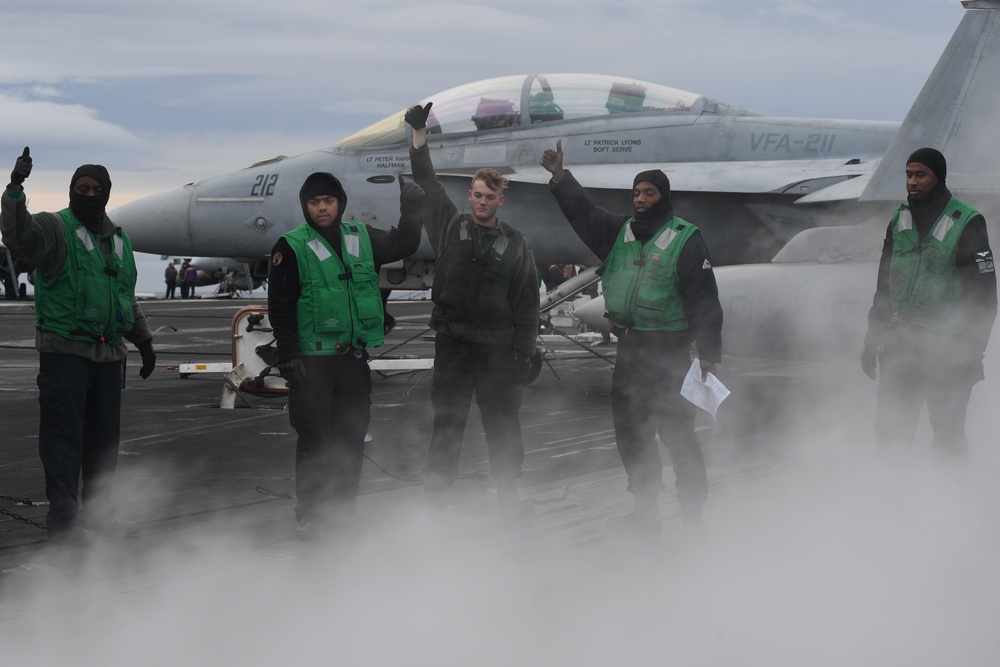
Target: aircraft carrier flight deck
<point>798,516</point>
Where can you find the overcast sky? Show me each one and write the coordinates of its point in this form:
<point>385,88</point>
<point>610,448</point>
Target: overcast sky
<point>166,93</point>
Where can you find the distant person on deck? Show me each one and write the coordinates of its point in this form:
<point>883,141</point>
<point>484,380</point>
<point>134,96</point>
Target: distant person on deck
<point>170,277</point>
<point>191,274</point>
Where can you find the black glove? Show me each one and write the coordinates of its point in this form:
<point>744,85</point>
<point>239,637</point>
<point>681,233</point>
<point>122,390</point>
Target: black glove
<point>294,373</point>
<point>411,196</point>
<point>416,116</point>
<point>526,367</point>
<point>868,360</point>
<point>22,168</point>
<point>148,359</point>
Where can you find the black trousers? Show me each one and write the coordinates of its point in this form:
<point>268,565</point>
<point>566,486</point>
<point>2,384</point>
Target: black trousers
<point>330,414</point>
<point>462,369</point>
<point>917,367</point>
<point>80,409</point>
<point>646,400</point>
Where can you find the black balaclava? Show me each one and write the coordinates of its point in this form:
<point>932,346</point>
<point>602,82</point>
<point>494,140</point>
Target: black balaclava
<point>90,210</point>
<point>662,183</point>
<point>318,184</point>
<point>928,210</point>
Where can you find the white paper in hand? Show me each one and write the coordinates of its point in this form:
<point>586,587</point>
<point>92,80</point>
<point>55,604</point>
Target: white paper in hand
<point>706,395</point>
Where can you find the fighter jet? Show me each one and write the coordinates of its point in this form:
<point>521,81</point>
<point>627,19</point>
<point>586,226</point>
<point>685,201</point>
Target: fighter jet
<point>750,181</point>
<point>735,172</point>
<point>811,301</point>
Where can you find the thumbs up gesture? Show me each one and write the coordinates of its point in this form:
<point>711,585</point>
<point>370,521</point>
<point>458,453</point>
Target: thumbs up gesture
<point>22,168</point>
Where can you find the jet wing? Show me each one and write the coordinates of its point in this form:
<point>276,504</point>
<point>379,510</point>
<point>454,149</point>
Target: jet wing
<point>792,177</point>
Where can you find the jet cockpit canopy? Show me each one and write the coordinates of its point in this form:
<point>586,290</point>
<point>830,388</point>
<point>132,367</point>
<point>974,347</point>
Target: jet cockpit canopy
<point>524,100</point>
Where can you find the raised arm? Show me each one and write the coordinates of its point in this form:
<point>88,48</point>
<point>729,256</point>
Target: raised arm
<point>439,211</point>
<point>39,238</point>
<point>595,226</point>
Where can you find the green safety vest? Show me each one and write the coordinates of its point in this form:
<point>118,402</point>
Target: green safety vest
<point>923,275</point>
<point>471,286</point>
<point>340,305</point>
<point>641,287</point>
<point>91,298</point>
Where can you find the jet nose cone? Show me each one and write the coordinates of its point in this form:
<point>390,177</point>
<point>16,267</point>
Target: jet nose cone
<point>160,223</point>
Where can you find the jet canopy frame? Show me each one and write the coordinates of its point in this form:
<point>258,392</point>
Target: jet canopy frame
<point>520,101</point>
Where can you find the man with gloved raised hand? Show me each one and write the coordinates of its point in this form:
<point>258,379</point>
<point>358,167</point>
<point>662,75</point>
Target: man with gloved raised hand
<point>325,308</point>
<point>85,308</point>
<point>485,314</point>
<point>661,296</point>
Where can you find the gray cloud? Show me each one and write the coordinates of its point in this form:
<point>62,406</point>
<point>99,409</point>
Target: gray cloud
<point>168,93</point>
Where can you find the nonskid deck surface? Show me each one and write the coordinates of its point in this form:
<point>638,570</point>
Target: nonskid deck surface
<point>184,461</point>
<point>802,523</point>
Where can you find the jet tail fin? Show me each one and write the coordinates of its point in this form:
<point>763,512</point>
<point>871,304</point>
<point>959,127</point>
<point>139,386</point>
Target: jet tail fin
<point>955,112</point>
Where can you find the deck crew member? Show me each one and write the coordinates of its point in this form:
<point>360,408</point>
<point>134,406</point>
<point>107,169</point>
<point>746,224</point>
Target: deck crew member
<point>85,308</point>
<point>325,307</point>
<point>661,295</point>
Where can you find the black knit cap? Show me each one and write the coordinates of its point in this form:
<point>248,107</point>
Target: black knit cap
<point>99,173</point>
<point>657,178</point>
<point>319,184</point>
<point>932,159</point>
